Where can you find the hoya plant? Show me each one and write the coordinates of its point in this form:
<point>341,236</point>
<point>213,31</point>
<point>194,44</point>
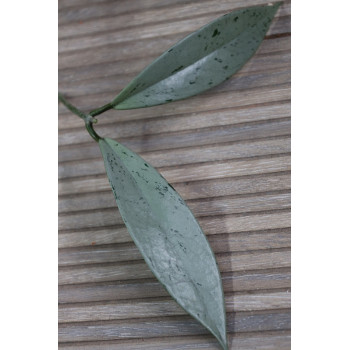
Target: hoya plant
<point>159,221</point>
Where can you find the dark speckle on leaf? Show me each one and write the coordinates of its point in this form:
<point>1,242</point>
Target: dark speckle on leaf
<point>177,69</point>
<point>216,32</point>
<point>192,82</point>
<point>236,19</point>
<point>169,100</point>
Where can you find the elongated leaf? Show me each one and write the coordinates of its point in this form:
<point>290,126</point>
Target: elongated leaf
<point>167,235</point>
<point>200,61</point>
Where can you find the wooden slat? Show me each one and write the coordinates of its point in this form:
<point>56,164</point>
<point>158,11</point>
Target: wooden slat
<point>188,173</point>
<point>224,100</point>
<point>237,322</point>
<point>194,190</point>
<point>151,288</point>
<point>277,340</point>
<point>179,24</point>
<point>136,270</point>
<point>179,157</point>
<point>223,243</point>
<point>137,19</point>
<point>200,208</point>
<point>227,152</point>
<point>167,308</point>
<point>276,72</point>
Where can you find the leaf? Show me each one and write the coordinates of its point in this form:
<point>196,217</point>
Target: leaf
<point>168,236</point>
<point>200,61</point>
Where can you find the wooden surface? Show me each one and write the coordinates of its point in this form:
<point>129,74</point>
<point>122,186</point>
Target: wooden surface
<point>227,152</point>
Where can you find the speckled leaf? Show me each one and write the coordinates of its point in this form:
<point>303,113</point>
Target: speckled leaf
<point>200,61</point>
<point>168,236</point>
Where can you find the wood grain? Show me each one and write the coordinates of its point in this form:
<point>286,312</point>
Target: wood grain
<point>226,151</point>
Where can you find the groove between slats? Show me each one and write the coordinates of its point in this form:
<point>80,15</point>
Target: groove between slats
<point>201,208</point>
<point>210,225</point>
<point>261,260</point>
<point>220,244</point>
<point>181,27</point>
<point>155,16</point>
<point>147,49</point>
<point>119,311</point>
<point>277,71</point>
<point>200,172</point>
<point>118,71</point>
<point>200,103</point>
<point>237,322</point>
<point>194,155</point>
<point>151,288</point>
<point>194,190</point>
<point>276,340</point>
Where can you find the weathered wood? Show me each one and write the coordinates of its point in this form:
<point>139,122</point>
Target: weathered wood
<point>140,19</point>
<point>106,56</point>
<point>200,208</point>
<point>193,190</point>
<point>277,71</point>
<point>151,288</point>
<point>138,269</point>
<point>187,173</point>
<point>277,340</point>
<point>183,156</point>
<point>180,25</point>
<point>223,243</point>
<point>167,307</point>
<point>224,100</point>
<point>108,330</point>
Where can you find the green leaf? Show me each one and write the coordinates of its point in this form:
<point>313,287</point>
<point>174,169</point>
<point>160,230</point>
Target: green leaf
<point>200,61</point>
<point>168,236</point>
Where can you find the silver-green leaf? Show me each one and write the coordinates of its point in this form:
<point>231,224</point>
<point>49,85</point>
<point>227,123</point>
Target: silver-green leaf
<point>168,236</point>
<point>200,61</point>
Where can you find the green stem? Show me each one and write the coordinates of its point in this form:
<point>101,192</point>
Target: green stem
<point>101,110</point>
<point>72,108</point>
<point>88,118</point>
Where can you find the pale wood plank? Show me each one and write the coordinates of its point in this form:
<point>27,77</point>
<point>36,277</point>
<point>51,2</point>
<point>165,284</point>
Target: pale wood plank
<point>77,61</point>
<point>220,244</point>
<point>180,26</point>
<point>193,190</point>
<point>238,322</point>
<point>232,282</point>
<point>200,208</point>
<point>236,130</point>
<point>262,71</point>
<point>80,10</point>
<point>196,104</point>
<point>117,72</point>
<point>119,22</point>
<point>278,340</point>
<point>210,225</point>
<point>187,173</point>
<point>137,270</point>
<point>166,308</point>
<point>179,157</point>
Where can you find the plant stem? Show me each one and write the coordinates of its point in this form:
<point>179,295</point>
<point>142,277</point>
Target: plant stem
<point>72,108</point>
<point>88,118</point>
<point>101,110</point>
